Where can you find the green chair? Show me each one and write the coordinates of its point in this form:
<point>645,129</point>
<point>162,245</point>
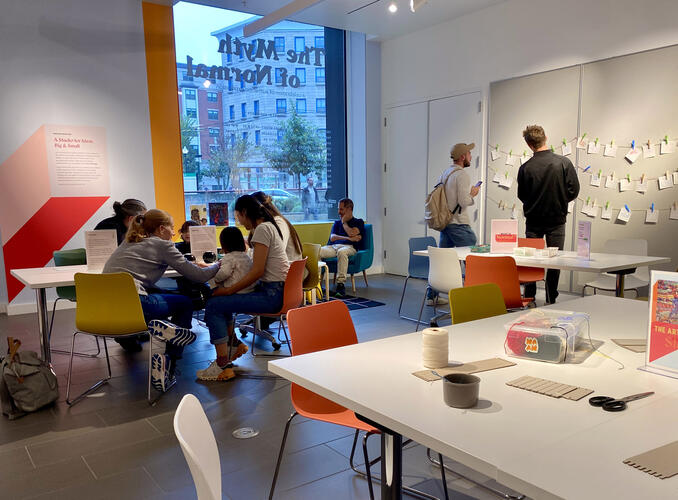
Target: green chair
<point>74,257</point>
<point>476,302</point>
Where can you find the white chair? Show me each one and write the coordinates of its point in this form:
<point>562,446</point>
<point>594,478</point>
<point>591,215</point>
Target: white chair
<point>634,281</point>
<point>444,274</point>
<point>197,441</point>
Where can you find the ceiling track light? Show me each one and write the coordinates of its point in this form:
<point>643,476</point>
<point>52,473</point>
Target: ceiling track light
<point>416,4</point>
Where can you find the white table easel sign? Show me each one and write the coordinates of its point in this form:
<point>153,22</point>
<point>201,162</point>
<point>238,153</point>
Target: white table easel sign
<point>584,240</point>
<point>99,245</point>
<point>662,337</point>
<point>504,235</point>
<point>203,239</point>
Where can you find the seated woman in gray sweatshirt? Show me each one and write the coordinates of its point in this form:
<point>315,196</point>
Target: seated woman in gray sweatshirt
<point>146,253</point>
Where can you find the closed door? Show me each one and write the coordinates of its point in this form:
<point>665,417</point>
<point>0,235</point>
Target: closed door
<point>452,120</point>
<point>404,182</point>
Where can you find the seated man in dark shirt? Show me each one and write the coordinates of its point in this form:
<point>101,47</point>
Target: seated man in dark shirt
<point>346,238</point>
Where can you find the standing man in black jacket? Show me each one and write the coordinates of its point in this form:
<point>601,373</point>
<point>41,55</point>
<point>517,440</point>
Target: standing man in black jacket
<point>547,182</point>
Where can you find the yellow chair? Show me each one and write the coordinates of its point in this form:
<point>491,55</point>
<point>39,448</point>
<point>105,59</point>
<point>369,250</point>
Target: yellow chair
<point>311,251</point>
<point>107,306</point>
<point>476,302</point>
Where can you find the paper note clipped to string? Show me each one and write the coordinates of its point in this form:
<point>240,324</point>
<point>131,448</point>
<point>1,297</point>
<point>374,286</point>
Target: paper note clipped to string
<point>625,184</point>
<point>632,155</point>
<point>649,151</point>
<point>651,215</point>
<point>641,184</point>
<point>497,177</point>
<point>606,212</point>
<point>673,213</point>
<point>667,146</point>
<point>511,159</point>
<point>610,150</point>
<point>665,181</point>
<point>595,178</point>
<point>593,148</point>
<point>624,214</point>
<point>581,142</point>
<point>506,181</point>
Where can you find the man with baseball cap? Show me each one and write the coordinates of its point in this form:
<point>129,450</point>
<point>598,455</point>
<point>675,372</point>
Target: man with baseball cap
<point>460,194</point>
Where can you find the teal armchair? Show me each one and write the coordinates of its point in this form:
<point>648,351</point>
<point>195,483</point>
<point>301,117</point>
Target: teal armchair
<point>361,261</point>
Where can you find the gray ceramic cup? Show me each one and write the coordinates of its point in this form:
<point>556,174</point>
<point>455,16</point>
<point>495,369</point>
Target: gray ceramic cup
<point>461,390</point>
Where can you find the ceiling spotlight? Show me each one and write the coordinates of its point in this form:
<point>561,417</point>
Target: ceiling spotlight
<point>392,8</point>
<point>415,4</point>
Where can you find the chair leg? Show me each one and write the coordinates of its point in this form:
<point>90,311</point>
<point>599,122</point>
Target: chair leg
<point>70,375</point>
<point>442,476</point>
<point>439,463</point>
<point>353,283</point>
<point>421,309</point>
<point>402,295</point>
<point>313,297</point>
<point>62,351</point>
<point>365,278</point>
<point>258,331</point>
<point>280,455</point>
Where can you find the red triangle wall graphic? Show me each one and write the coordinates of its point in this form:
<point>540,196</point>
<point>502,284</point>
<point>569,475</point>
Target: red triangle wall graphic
<point>49,229</point>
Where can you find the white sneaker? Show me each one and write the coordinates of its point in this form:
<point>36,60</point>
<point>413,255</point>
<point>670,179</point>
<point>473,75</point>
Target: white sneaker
<point>169,332</point>
<point>438,301</point>
<point>160,377</point>
<point>215,372</point>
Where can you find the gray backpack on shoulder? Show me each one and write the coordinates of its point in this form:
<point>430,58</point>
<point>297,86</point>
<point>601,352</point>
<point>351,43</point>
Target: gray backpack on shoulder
<point>27,383</point>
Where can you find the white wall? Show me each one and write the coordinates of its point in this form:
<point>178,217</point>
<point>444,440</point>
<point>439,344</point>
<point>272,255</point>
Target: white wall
<point>78,62</point>
<point>520,37</point>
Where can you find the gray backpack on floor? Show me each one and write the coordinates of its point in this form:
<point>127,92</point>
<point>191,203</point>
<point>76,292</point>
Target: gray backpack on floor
<point>27,383</point>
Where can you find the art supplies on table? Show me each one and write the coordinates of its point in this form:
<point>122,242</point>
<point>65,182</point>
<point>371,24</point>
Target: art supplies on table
<point>434,347</point>
<point>608,403</point>
<point>660,462</point>
<point>550,388</point>
<point>472,367</point>
<point>480,249</point>
<point>545,335</point>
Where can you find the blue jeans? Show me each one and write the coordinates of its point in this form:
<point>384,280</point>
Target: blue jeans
<point>178,308</point>
<point>221,309</point>
<point>457,235</point>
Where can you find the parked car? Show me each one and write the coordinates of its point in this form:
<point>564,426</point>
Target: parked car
<point>284,200</point>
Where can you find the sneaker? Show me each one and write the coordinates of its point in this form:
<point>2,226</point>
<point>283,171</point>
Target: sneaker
<point>169,332</point>
<point>129,344</point>
<point>340,291</point>
<point>215,372</point>
<point>438,301</point>
<point>239,350</point>
<point>160,373</point>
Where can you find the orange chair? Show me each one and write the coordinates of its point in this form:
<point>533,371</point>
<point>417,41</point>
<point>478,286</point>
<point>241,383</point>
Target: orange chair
<point>316,328</point>
<point>531,274</point>
<point>293,296</point>
<point>500,270</point>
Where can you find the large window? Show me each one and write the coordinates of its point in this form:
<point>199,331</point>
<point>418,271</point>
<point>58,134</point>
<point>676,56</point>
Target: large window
<point>289,137</point>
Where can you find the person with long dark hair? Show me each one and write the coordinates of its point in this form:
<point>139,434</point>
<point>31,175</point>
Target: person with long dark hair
<point>269,271</point>
<point>124,213</point>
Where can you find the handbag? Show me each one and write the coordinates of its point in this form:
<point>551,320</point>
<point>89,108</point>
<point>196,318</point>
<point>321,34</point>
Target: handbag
<point>27,383</point>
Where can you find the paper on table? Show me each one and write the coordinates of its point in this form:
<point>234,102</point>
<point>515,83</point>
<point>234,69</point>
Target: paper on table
<point>624,214</point>
<point>497,177</point>
<point>625,184</point>
<point>667,147</point>
<point>651,216</point>
<point>566,149</point>
<point>665,182</point>
<point>594,148</point>
<point>494,154</point>
<point>609,181</point>
<point>472,367</point>
<point>660,462</point>
<point>649,151</point>
<point>632,155</point>
<point>610,150</point>
<point>203,239</point>
<point>99,245</point>
<point>606,213</point>
<point>595,179</point>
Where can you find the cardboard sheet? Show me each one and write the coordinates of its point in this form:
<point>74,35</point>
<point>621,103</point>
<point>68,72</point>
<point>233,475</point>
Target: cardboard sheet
<point>472,367</point>
<point>550,388</point>
<point>635,345</point>
<point>660,462</point>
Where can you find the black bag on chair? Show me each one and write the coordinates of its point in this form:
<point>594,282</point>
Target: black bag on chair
<point>27,383</point>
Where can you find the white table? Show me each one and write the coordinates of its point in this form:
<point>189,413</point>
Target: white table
<point>513,433</point>
<point>569,261</point>
<point>42,278</point>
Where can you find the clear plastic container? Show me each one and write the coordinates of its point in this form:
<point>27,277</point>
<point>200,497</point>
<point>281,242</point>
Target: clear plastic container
<point>546,335</point>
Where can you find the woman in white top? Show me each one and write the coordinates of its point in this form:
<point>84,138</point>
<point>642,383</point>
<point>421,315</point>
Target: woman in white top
<point>291,239</point>
<point>269,269</point>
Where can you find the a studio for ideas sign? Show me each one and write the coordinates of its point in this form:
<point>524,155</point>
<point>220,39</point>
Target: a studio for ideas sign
<point>504,235</point>
<point>257,51</point>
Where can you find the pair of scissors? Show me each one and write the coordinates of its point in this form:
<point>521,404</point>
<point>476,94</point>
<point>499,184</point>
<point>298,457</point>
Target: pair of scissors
<point>612,404</point>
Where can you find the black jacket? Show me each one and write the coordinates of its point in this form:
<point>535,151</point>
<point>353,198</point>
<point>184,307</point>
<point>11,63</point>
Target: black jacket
<point>547,182</point>
<point>116,223</point>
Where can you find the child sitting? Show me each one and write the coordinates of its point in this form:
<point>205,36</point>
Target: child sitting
<point>236,263</point>
<point>184,246</point>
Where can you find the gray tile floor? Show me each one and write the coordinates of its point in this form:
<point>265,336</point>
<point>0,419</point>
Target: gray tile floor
<point>114,445</point>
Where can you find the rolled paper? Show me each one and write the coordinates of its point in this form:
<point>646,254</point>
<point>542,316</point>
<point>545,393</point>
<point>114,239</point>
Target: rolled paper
<point>434,348</point>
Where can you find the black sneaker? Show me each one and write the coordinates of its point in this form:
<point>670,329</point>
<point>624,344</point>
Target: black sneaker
<point>340,291</point>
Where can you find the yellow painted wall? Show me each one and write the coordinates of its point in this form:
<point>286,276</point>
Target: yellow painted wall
<point>163,104</point>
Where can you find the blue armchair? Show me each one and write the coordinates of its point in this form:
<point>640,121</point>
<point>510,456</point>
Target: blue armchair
<point>361,261</point>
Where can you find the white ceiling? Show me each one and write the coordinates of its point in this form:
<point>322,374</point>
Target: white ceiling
<point>365,16</point>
